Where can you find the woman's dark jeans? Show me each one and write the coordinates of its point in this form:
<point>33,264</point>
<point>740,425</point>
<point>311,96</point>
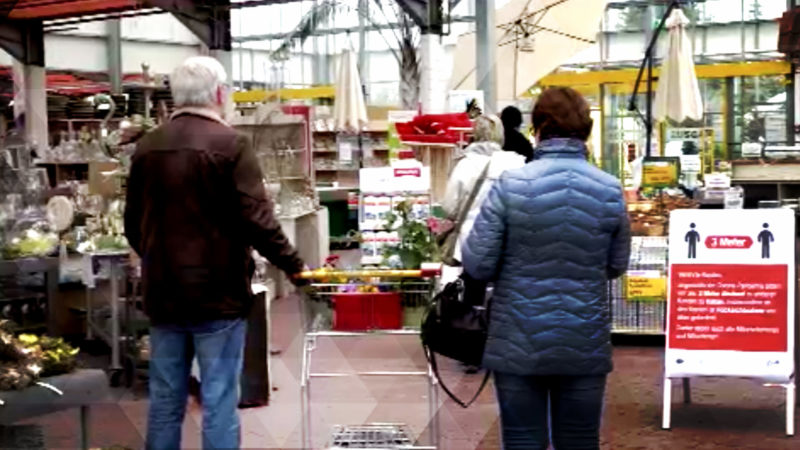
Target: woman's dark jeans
<point>575,407</point>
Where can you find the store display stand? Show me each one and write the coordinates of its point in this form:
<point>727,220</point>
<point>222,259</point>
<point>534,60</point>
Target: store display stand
<point>439,157</point>
<point>389,185</point>
<point>110,331</point>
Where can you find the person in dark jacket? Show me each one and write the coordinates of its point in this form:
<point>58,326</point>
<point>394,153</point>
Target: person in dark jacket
<point>514,140</point>
<point>549,330</point>
<point>196,207</point>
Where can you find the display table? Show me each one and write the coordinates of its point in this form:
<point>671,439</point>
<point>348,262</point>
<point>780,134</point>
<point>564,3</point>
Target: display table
<point>107,329</point>
<point>309,234</point>
<point>81,389</point>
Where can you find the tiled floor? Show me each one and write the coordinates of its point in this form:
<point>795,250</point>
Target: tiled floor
<point>727,413</point>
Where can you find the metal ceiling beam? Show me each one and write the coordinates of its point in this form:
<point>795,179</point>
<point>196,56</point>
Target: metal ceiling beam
<point>209,20</point>
<point>63,24</point>
<point>24,40</point>
<point>54,9</point>
<point>644,3</point>
<point>330,31</point>
<point>429,15</point>
<point>252,3</point>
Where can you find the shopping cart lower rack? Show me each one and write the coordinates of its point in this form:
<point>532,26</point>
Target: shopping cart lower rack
<point>359,304</point>
<point>376,435</point>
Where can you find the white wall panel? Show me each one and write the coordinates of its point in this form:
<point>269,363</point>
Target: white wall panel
<point>87,29</point>
<point>163,58</point>
<point>160,27</point>
<point>75,53</point>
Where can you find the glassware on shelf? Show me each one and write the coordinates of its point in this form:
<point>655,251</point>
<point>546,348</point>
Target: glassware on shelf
<point>37,180</point>
<point>92,225</point>
<point>31,235</point>
<point>94,205</point>
<point>12,205</point>
<point>81,193</point>
<point>81,235</point>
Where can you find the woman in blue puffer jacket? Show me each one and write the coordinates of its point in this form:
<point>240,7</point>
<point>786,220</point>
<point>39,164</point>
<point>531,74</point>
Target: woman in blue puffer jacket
<point>550,236</point>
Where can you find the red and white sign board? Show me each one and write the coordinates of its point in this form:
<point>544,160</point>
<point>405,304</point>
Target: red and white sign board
<point>731,294</point>
<point>410,177</point>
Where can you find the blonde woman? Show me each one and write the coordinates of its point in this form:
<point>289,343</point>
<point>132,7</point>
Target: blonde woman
<point>479,165</point>
<point>484,152</point>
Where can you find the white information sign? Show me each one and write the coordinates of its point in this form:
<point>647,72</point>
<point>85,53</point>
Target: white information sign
<point>731,296</point>
<point>457,100</point>
<point>395,179</point>
<point>691,164</point>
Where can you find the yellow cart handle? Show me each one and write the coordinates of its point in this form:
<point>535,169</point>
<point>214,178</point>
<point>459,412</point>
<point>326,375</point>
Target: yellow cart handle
<point>373,273</point>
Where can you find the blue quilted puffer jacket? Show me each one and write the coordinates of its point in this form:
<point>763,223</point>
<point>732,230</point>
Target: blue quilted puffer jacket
<point>550,236</point>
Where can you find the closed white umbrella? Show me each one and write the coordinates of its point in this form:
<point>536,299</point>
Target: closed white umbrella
<point>534,37</point>
<point>678,95</point>
<point>349,109</point>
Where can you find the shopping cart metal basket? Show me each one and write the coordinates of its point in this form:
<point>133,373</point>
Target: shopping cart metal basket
<point>366,303</point>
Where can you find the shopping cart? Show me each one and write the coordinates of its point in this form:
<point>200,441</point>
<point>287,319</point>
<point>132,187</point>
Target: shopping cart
<point>358,304</point>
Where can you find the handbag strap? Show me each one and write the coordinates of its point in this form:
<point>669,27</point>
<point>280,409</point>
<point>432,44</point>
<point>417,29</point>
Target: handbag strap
<point>462,215</point>
<point>431,356</point>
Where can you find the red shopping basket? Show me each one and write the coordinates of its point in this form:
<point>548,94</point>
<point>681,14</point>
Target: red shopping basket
<point>367,311</point>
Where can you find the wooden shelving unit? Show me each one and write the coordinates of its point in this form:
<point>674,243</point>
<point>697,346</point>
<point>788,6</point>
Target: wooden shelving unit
<point>330,169</point>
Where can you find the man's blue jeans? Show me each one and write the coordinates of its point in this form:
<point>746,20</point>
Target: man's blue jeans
<point>575,407</point>
<point>219,347</point>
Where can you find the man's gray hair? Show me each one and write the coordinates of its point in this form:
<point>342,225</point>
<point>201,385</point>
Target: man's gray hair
<point>195,82</point>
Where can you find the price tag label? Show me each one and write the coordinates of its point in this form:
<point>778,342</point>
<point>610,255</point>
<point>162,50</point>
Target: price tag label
<point>646,285</point>
<point>345,152</point>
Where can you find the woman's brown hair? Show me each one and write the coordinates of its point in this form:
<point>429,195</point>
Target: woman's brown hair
<point>561,112</point>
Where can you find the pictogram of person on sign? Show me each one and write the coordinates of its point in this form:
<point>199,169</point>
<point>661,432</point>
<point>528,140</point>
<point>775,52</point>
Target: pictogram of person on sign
<point>692,237</point>
<point>765,237</point>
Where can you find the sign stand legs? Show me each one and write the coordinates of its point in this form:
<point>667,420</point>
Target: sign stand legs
<point>687,392</point>
<point>666,414</point>
<point>667,406</point>
<point>790,399</point>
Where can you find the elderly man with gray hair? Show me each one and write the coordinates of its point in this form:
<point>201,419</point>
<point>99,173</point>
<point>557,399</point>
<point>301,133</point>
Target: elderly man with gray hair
<point>196,207</point>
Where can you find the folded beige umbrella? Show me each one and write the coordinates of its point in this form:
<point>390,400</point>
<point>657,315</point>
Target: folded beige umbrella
<point>678,95</point>
<point>534,37</point>
<point>349,109</point>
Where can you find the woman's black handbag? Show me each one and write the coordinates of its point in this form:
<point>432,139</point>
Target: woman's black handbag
<point>457,330</point>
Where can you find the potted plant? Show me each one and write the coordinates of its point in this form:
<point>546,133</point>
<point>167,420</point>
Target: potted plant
<point>416,245</point>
